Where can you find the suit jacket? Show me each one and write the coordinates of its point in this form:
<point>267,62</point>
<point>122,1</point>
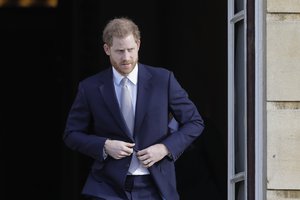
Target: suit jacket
<point>95,116</point>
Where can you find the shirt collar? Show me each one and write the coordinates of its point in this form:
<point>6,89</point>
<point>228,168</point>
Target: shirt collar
<point>132,76</point>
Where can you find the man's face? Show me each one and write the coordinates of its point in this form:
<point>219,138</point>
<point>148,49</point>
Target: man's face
<point>123,53</point>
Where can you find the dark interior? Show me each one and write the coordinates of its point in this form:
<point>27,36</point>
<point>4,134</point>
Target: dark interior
<point>46,51</point>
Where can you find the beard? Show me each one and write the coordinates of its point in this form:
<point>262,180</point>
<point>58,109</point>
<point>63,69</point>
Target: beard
<point>124,67</point>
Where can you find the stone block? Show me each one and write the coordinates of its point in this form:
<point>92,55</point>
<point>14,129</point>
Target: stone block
<point>283,57</point>
<point>283,146</point>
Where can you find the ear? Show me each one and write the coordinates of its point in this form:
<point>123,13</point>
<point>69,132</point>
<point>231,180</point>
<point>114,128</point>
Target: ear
<point>138,42</point>
<point>106,49</point>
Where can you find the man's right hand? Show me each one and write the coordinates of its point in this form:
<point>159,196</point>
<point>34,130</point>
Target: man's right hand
<point>118,149</point>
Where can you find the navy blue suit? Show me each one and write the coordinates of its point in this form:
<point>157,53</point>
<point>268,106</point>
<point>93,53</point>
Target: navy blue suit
<point>95,116</point>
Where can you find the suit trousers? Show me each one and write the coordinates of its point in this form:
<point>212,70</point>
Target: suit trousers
<point>140,187</point>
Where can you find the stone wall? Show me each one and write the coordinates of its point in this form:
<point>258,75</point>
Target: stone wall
<point>283,99</point>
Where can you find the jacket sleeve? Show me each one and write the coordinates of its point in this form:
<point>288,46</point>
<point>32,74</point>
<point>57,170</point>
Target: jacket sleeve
<point>190,123</point>
<point>77,134</point>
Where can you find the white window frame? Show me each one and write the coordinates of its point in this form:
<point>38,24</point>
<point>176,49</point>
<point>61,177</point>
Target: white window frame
<point>234,178</point>
<point>260,100</point>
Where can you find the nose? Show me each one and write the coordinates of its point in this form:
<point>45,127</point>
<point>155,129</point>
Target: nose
<point>126,55</point>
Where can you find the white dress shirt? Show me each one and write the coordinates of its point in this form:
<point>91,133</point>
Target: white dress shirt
<point>132,86</point>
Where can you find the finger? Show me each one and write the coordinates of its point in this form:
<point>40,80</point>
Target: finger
<point>129,145</point>
<point>148,164</point>
<point>148,161</point>
<point>126,151</point>
<point>141,152</point>
<point>119,156</point>
<point>143,158</point>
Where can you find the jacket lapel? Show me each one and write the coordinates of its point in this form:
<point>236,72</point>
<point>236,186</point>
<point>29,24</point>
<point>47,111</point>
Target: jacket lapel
<point>143,94</point>
<point>107,91</point>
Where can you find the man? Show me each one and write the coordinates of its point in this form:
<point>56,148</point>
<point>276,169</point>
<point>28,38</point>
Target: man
<point>120,118</point>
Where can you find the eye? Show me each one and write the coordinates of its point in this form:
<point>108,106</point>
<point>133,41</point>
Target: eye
<point>120,50</point>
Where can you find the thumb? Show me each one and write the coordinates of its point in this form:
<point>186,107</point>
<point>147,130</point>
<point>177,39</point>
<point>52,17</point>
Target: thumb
<point>130,145</point>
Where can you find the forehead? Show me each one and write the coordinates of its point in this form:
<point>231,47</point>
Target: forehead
<point>127,41</point>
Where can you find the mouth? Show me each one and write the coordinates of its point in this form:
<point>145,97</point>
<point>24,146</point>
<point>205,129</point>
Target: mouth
<point>126,64</point>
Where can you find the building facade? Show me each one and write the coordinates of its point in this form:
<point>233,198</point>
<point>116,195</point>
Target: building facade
<point>264,100</point>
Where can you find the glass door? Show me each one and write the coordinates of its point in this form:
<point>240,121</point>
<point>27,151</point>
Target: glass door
<point>237,100</point>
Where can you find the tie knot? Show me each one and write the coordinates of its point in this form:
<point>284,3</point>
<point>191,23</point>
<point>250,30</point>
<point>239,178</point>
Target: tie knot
<point>124,81</point>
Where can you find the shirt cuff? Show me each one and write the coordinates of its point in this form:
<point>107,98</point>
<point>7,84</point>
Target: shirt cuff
<point>104,153</point>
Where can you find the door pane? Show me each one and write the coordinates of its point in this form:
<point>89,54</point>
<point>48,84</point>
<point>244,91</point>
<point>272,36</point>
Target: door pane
<point>238,5</point>
<point>239,97</point>
<point>240,191</point>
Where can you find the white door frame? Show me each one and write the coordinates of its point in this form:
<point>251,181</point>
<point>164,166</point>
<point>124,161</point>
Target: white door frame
<point>260,101</point>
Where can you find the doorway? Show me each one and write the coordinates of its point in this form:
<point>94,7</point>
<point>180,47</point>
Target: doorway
<point>185,37</point>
